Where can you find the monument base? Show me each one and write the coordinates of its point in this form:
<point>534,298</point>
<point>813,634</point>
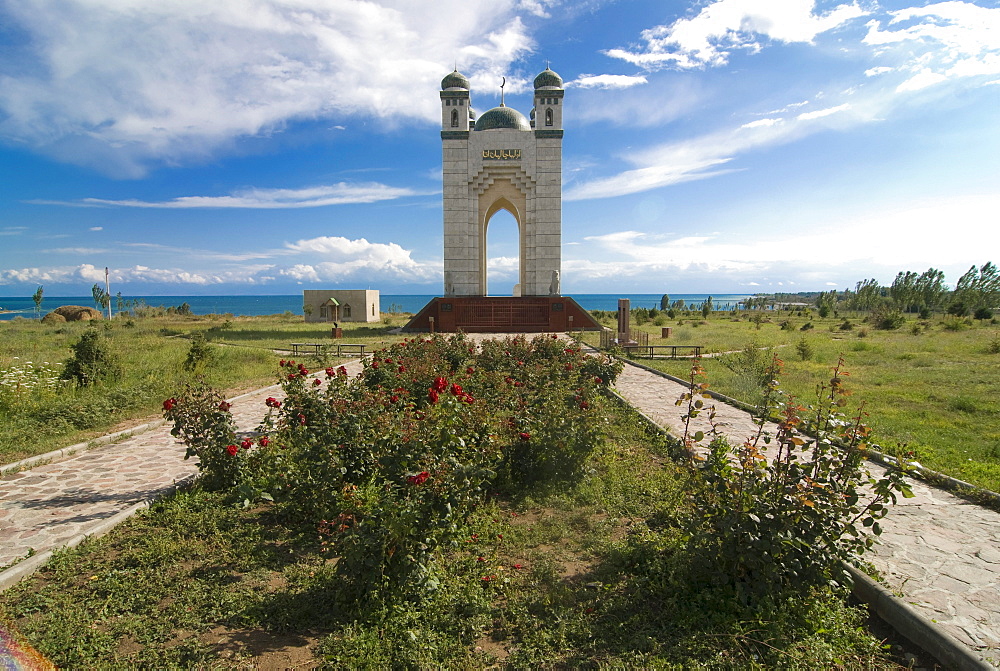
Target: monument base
<point>502,314</point>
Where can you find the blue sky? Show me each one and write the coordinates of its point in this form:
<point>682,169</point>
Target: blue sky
<point>722,146</point>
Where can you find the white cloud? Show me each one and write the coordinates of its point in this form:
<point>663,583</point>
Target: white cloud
<point>762,122</point>
<point>344,259</point>
<point>74,250</point>
<point>96,228</point>
<point>606,81</point>
<point>265,199</point>
<point>333,260</point>
<point>941,41</point>
<point>813,256</point>
<point>878,70</point>
<point>119,85</point>
<point>819,114</point>
<point>709,37</point>
<point>705,156</point>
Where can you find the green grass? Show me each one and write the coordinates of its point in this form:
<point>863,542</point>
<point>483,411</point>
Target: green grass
<point>590,574</point>
<point>152,352</point>
<point>935,393</point>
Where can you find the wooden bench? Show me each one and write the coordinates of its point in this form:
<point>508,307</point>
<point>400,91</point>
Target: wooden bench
<point>651,351</point>
<point>318,349</point>
<point>345,348</point>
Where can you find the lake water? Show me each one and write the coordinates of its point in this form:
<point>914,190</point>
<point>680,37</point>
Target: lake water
<point>268,305</point>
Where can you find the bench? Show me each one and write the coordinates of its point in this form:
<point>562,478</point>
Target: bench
<point>651,351</point>
<point>322,348</point>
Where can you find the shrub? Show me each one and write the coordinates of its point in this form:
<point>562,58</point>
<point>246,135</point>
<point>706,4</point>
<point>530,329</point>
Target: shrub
<point>200,353</point>
<point>994,345</point>
<point>804,349</point>
<point>887,320</point>
<point>982,314</point>
<point>808,326</point>
<point>389,465</point>
<point>92,360</point>
<point>780,512</point>
<point>846,325</point>
<point>752,368</point>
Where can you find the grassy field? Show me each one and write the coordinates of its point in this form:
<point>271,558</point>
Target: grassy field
<point>931,387</point>
<point>592,573</point>
<point>151,353</point>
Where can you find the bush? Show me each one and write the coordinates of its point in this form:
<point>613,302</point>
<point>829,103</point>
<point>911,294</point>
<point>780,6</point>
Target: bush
<point>200,354</point>
<point>389,465</point>
<point>982,314</point>
<point>778,514</point>
<point>887,320</point>
<point>752,367</point>
<point>92,360</point>
<point>804,349</point>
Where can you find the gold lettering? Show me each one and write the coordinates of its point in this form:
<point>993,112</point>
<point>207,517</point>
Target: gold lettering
<point>501,154</point>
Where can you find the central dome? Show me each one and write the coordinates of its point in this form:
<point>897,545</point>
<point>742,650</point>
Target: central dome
<point>502,117</point>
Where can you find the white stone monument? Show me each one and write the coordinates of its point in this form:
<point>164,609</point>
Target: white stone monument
<point>502,161</point>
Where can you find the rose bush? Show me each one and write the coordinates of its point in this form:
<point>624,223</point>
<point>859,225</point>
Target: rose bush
<point>390,464</point>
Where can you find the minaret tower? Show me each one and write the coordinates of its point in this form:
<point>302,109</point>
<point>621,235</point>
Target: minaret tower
<point>547,114</point>
<point>456,109</point>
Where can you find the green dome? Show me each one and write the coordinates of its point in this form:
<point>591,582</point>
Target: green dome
<point>548,79</point>
<point>502,117</point>
<point>455,80</point>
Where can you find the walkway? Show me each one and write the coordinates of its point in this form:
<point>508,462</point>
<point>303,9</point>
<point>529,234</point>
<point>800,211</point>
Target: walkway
<point>59,503</point>
<point>940,552</point>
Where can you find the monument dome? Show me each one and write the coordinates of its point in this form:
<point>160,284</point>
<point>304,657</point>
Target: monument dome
<point>548,79</point>
<point>502,117</point>
<point>455,80</point>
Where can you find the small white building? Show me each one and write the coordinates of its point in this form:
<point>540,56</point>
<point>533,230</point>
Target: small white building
<point>341,305</point>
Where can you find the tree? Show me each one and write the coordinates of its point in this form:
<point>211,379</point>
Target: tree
<point>977,288</point>
<point>866,295</point>
<point>931,289</point>
<point>706,307</point>
<point>37,297</point>
<point>101,297</point>
<point>904,290</point>
<point>665,302</point>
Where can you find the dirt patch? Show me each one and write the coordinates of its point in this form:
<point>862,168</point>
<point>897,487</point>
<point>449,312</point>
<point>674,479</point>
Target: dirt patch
<point>267,650</point>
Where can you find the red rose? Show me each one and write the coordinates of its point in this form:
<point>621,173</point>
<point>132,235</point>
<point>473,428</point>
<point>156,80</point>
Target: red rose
<point>246,444</point>
<point>302,419</point>
<point>468,399</point>
<point>584,405</point>
<point>317,382</point>
<point>169,404</point>
<point>264,441</point>
<point>432,395</point>
<point>341,371</point>
<point>272,402</point>
<point>440,384</point>
<point>418,479</point>
<point>470,370</point>
<point>402,369</point>
<point>330,372</point>
<point>456,390</point>
<point>393,398</point>
<point>232,450</point>
<point>525,435</point>
<point>224,406</point>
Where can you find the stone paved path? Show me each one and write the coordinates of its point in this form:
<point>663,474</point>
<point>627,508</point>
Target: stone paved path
<point>43,508</point>
<point>940,552</point>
